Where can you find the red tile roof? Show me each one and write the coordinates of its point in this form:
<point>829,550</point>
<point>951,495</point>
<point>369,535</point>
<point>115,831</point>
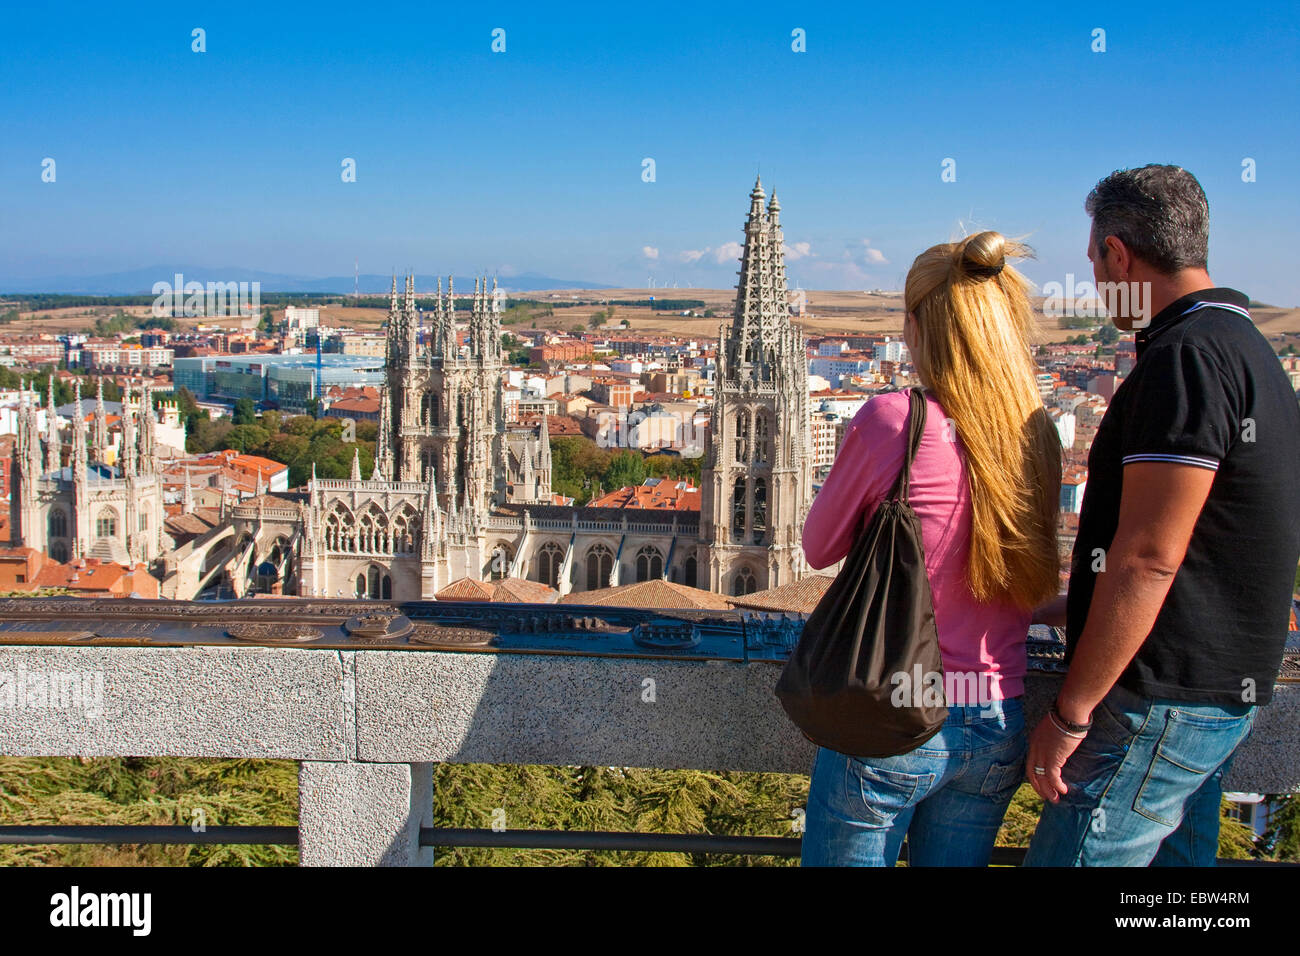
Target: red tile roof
<point>654,594</point>
<point>799,596</point>
<point>663,496</point>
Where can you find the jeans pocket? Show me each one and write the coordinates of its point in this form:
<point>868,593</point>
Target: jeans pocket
<point>1191,746</point>
<point>885,793</point>
<point>1003,779</point>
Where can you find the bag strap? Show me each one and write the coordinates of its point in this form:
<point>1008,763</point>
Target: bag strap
<point>916,427</point>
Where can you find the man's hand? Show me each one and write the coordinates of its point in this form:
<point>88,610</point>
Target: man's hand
<point>1049,748</point>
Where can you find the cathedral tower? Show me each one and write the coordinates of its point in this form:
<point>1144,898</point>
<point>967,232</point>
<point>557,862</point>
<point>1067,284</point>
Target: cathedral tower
<point>756,484</point>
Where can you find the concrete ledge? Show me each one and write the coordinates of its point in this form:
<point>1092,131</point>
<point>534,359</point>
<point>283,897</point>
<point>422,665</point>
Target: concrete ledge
<point>416,707</point>
<point>183,702</point>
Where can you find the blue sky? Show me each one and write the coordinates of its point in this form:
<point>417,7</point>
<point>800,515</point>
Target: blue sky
<point>531,160</point>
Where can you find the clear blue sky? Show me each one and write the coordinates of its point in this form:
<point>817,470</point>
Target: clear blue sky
<point>530,160</point>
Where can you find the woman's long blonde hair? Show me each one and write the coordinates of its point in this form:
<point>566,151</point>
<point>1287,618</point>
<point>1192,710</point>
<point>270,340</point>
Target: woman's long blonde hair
<point>972,351</point>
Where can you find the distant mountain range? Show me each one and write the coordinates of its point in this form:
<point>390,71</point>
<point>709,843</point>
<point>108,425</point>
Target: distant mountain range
<point>141,281</point>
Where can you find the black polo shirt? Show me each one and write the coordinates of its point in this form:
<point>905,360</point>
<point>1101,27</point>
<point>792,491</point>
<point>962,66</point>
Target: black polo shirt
<point>1206,390</point>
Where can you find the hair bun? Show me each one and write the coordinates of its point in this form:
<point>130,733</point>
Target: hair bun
<point>982,255</point>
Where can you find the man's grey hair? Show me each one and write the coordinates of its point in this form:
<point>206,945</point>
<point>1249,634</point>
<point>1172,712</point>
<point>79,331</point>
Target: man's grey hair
<point>1159,212</point>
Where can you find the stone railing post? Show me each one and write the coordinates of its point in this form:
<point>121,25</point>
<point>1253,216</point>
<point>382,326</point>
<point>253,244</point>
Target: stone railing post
<point>364,814</point>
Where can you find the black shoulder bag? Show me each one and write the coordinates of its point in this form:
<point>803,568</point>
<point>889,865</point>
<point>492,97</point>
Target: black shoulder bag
<point>862,679</point>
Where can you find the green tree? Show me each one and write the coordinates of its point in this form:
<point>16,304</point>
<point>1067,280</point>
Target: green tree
<point>626,468</point>
<point>1107,334</point>
<point>248,438</point>
<point>1236,840</point>
<point>1282,838</point>
<point>245,412</point>
<point>208,435</point>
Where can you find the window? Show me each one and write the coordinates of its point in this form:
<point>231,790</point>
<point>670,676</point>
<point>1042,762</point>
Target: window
<point>738,510</point>
<point>691,572</point>
<point>144,521</point>
<point>59,552</point>
<point>375,584</point>
<point>649,564</point>
<point>600,564</point>
<point>742,436</point>
<point>106,524</point>
<point>549,559</point>
<point>58,523</point>
<point>743,583</point>
<point>267,576</point>
<point>760,436</point>
<point>759,525</point>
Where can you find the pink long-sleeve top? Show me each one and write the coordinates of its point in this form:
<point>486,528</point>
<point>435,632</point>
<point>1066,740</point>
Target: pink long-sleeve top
<point>987,640</point>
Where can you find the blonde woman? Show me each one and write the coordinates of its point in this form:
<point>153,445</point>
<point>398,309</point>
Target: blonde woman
<point>985,484</point>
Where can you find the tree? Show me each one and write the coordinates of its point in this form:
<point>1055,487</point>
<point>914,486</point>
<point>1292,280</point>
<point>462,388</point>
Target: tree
<point>248,438</point>
<point>1107,334</point>
<point>627,468</point>
<point>245,412</point>
<point>1282,838</point>
<point>208,435</point>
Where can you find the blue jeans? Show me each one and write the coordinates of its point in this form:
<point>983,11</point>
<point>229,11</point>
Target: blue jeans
<point>1145,785</point>
<point>948,796</point>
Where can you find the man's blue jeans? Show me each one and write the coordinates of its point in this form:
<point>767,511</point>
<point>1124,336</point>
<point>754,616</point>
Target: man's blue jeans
<point>1145,785</point>
<point>948,796</point>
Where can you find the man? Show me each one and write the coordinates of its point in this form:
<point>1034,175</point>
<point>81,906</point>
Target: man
<point>1185,558</point>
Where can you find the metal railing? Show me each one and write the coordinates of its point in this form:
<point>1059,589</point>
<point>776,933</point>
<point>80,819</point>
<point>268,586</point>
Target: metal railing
<point>458,837</point>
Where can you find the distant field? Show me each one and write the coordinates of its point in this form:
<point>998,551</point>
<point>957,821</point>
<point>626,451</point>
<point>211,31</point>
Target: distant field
<point>827,312</point>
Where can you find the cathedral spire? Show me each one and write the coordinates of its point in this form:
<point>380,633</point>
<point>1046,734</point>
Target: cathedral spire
<point>99,436</point>
<point>79,462</point>
<point>29,439</point>
<point>52,457</point>
<point>187,494</point>
<point>453,344</point>
<point>127,456</point>
<point>147,424</point>
<point>762,314</point>
<point>356,464</point>
<point>395,338</point>
<point>432,520</point>
<point>439,315</point>
<point>383,439</point>
<point>410,321</point>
